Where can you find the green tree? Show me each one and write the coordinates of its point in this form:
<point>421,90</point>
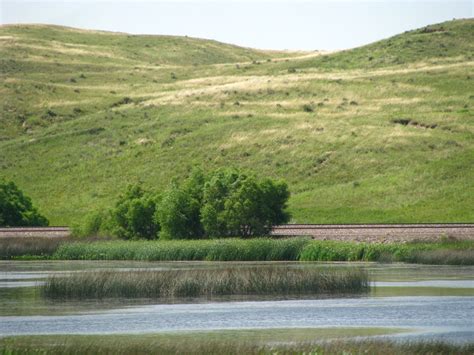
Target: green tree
<point>134,214</point>
<point>179,213</point>
<point>237,204</point>
<point>16,209</point>
<point>215,194</point>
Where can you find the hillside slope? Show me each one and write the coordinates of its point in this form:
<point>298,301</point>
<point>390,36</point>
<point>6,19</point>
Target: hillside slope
<point>387,139</point>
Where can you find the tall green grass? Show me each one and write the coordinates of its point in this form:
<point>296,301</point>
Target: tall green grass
<point>441,257</point>
<point>214,282</point>
<point>258,249</point>
<point>266,249</point>
<point>443,252</point>
<point>448,252</point>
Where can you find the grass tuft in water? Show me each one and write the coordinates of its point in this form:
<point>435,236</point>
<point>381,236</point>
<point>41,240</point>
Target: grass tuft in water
<point>196,283</point>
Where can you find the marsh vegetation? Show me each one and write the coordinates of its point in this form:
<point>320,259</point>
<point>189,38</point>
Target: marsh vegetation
<point>29,247</point>
<point>207,343</point>
<point>263,280</point>
<point>445,251</point>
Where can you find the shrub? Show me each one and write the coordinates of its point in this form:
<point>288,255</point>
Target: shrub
<point>124,101</point>
<point>93,225</point>
<point>308,108</point>
<point>134,214</point>
<point>179,213</point>
<point>225,203</point>
<point>236,204</point>
<point>16,209</point>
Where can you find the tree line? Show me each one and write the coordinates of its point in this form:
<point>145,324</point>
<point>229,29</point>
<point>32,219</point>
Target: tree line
<point>223,203</point>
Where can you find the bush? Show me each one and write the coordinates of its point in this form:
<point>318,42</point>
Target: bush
<point>16,209</point>
<point>225,203</point>
<point>179,213</point>
<point>93,225</point>
<point>134,214</point>
<point>236,204</point>
<point>308,108</point>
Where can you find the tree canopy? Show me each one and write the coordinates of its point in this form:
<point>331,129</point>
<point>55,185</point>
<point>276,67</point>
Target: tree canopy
<point>133,215</point>
<point>223,203</point>
<point>16,209</point>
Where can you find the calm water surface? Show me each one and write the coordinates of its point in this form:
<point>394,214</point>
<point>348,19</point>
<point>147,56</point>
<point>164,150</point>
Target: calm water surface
<point>434,302</point>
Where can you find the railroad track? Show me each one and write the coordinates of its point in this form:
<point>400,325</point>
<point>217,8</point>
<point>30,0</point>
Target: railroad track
<point>378,232</point>
<point>53,232</point>
<point>347,232</point>
<point>375,226</point>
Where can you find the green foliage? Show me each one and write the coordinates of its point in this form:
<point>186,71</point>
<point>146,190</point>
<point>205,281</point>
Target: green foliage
<point>179,212</point>
<point>236,204</point>
<point>241,206</point>
<point>16,209</point>
<point>94,224</point>
<point>453,253</point>
<point>134,214</point>
<point>230,249</point>
<point>257,249</point>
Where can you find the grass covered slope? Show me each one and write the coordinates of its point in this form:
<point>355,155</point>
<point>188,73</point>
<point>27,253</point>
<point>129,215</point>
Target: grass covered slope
<point>357,139</point>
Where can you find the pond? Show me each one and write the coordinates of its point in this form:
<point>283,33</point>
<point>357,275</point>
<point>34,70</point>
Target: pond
<point>425,302</point>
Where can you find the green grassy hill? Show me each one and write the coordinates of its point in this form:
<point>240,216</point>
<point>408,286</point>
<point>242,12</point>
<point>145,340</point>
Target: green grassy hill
<point>381,133</point>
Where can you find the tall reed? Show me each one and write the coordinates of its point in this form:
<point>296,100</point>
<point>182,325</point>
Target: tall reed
<point>264,280</point>
<point>443,252</point>
<point>37,247</point>
<point>441,257</point>
<point>257,249</point>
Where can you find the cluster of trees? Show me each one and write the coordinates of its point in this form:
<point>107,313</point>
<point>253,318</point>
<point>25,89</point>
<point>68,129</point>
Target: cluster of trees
<point>16,209</point>
<point>224,203</point>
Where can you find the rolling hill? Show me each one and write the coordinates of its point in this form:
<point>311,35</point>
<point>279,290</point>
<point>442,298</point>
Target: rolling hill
<point>380,133</point>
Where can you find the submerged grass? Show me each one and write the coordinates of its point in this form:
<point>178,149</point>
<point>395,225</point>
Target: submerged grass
<point>206,343</point>
<point>209,283</point>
